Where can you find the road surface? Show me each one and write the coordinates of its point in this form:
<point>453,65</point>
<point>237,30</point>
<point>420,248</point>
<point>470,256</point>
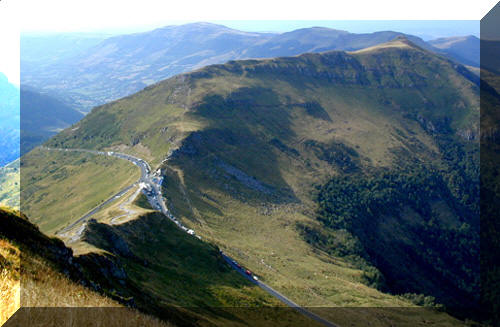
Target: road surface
<point>275,293</point>
<point>92,212</point>
<point>152,184</point>
<point>148,181</point>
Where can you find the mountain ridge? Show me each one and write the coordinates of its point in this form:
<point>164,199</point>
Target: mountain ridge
<point>155,55</point>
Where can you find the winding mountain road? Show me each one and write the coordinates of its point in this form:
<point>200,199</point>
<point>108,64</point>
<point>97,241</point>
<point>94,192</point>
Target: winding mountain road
<point>152,184</point>
<point>147,179</point>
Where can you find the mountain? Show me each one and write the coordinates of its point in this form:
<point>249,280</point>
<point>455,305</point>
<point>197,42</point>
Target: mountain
<point>251,152</point>
<point>9,143</point>
<point>464,49</point>
<point>320,39</point>
<point>9,100</point>
<point>9,121</point>
<point>41,50</point>
<point>42,117</point>
<point>122,65</point>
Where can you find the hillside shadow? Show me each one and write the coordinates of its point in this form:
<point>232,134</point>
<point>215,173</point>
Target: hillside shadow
<point>237,151</point>
<point>166,266</point>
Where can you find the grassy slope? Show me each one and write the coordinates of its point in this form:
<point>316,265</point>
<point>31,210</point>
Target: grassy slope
<point>248,230</point>
<point>179,265</point>
<point>9,185</point>
<point>142,202</point>
<point>60,187</point>
<point>177,277</point>
<point>9,280</point>
<point>370,101</point>
<point>128,207</point>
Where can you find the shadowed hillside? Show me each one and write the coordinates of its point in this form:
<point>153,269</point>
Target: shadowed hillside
<point>42,117</point>
<point>10,185</point>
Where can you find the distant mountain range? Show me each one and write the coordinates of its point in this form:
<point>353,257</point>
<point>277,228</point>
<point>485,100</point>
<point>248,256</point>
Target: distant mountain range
<point>9,121</point>
<point>9,102</point>
<point>97,71</point>
<point>464,49</point>
<point>40,50</point>
<point>28,118</point>
<point>42,117</point>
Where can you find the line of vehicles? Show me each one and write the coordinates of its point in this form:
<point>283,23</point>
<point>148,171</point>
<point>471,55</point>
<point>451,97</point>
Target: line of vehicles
<point>239,268</point>
<point>156,199</point>
<point>152,189</point>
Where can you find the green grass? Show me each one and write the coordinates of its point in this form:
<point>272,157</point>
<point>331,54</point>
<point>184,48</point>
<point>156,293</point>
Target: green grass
<point>179,264</point>
<point>180,270</point>
<point>60,187</point>
<point>10,185</point>
<point>264,238</point>
<point>142,201</point>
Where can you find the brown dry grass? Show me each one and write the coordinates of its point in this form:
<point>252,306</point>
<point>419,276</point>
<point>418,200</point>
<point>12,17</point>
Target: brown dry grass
<point>9,280</point>
<point>42,287</point>
<point>76,317</point>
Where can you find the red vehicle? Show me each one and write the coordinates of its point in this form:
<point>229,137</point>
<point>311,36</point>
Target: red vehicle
<point>248,272</point>
<point>238,265</point>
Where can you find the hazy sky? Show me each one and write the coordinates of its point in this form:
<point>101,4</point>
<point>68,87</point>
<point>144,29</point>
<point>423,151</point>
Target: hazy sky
<point>135,15</point>
<point>9,40</point>
<point>80,15</point>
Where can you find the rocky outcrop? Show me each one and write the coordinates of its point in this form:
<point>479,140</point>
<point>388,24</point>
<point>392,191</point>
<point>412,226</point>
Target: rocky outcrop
<point>248,181</point>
